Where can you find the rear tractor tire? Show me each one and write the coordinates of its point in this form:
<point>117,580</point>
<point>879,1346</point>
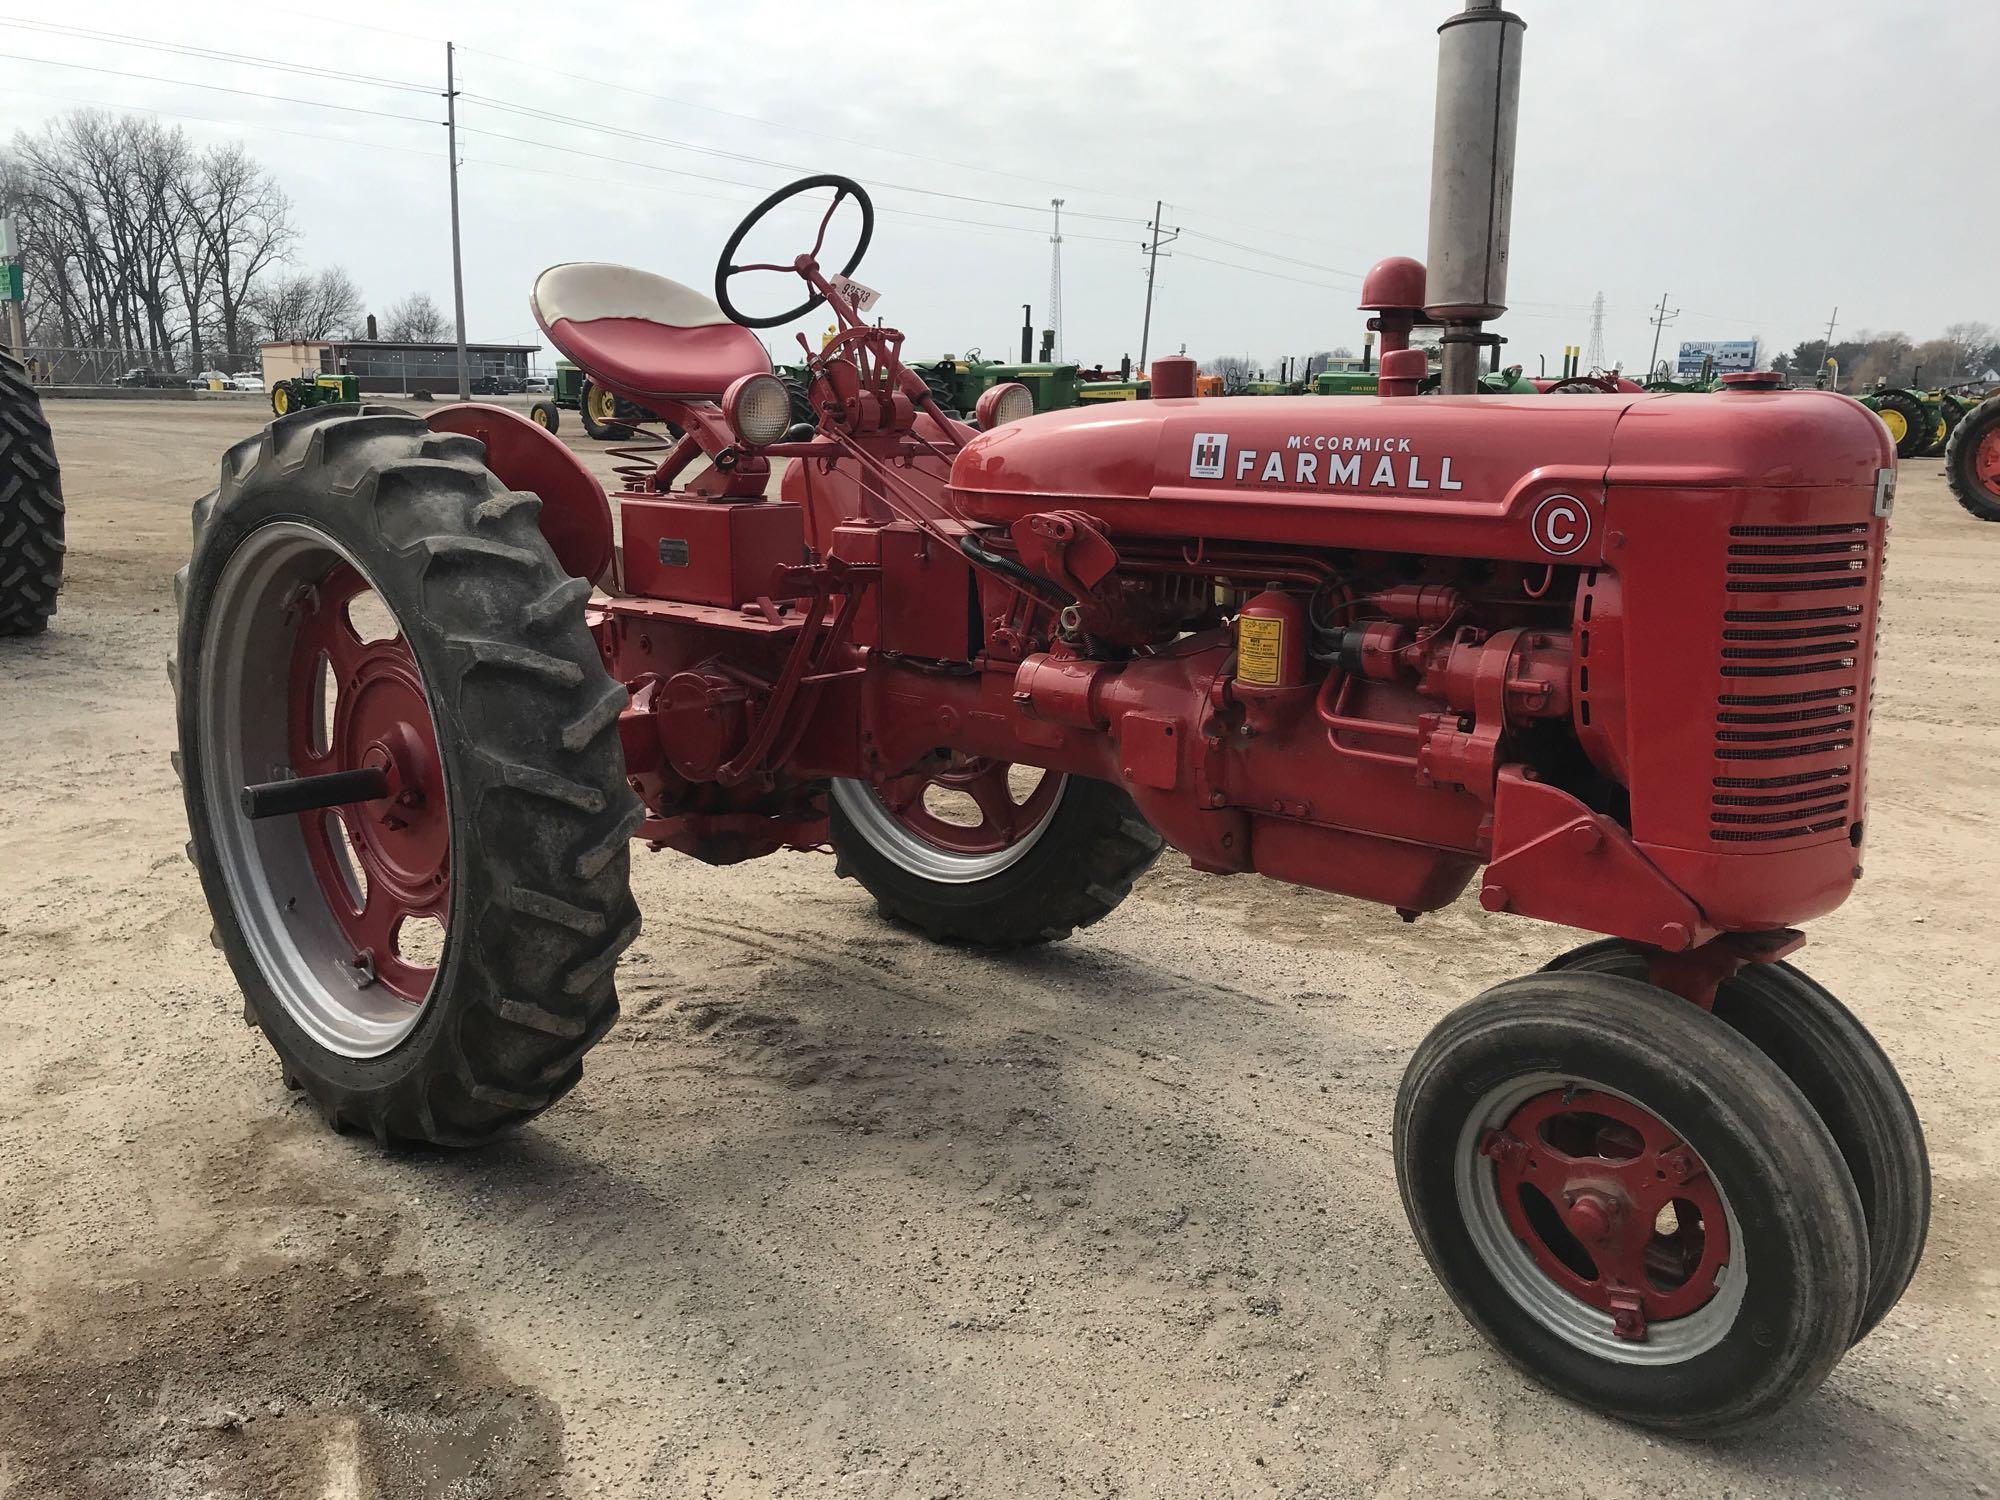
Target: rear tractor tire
<point>1004,861</point>
<point>366,597</point>
<point>1631,1202</point>
<point>31,507</point>
<point>1908,420</point>
<point>1972,460</point>
<point>599,409</point>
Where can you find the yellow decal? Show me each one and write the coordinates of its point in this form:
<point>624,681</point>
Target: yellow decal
<point>1260,650</point>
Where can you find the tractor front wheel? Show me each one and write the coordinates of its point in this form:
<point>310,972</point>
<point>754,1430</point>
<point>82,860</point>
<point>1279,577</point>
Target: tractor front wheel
<point>1851,1085</point>
<point>429,955</point>
<point>1631,1202</point>
<point>545,415</point>
<point>979,851</point>
<point>1972,460</point>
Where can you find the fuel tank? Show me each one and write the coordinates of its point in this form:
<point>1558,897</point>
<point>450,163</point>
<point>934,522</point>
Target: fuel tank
<point>1521,478</point>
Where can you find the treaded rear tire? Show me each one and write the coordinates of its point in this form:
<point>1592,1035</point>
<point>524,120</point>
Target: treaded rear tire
<point>1081,867</point>
<point>540,812</point>
<point>1960,453</point>
<point>1918,426</point>
<point>603,432</point>
<point>1852,1086</point>
<point>31,507</point>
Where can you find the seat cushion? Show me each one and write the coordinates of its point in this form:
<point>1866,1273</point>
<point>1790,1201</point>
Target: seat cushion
<point>643,334</point>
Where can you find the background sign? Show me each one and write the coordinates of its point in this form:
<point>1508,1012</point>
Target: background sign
<point>1733,354</point>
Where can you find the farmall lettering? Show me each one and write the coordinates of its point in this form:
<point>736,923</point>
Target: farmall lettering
<point>1324,461</point>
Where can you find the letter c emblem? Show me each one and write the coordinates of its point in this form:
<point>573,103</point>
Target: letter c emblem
<point>1561,525</point>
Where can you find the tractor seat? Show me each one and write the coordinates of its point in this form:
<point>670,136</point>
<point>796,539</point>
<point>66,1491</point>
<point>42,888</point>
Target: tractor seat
<point>643,334</point>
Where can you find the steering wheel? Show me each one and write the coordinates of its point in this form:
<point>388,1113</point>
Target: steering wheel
<point>843,187</point>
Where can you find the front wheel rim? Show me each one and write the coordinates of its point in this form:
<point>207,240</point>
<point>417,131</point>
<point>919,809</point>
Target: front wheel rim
<point>335,907</point>
<point>1690,1281</point>
<point>897,821</point>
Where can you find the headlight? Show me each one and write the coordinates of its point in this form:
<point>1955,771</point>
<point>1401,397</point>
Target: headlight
<point>759,407</point>
<point>1008,402</point>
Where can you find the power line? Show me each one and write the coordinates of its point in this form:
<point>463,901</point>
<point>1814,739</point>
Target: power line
<point>556,117</point>
<point>539,70</point>
<point>214,54</point>
<point>218,88</point>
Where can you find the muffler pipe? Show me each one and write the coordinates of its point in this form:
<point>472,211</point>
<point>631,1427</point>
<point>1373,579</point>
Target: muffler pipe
<point>1472,181</point>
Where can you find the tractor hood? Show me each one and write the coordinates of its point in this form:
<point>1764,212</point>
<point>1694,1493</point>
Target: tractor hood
<point>1457,475</point>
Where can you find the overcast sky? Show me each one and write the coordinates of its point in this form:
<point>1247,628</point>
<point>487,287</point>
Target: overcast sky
<point>1760,163</point>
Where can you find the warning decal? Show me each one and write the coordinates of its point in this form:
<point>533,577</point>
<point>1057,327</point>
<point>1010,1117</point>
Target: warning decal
<point>1260,649</point>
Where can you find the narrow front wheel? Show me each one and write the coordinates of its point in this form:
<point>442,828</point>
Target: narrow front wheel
<point>1631,1202</point>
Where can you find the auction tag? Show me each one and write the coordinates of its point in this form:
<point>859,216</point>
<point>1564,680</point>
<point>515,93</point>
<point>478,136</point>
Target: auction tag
<point>859,297</point>
<point>1260,650</point>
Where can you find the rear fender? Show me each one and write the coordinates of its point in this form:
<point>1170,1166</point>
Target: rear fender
<point>576,515</point>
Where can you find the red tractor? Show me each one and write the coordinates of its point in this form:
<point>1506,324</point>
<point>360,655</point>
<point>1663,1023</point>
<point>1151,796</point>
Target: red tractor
<point>1610,656</point>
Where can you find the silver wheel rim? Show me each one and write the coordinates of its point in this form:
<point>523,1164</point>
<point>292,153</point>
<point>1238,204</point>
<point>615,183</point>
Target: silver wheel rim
<point>1570,1319</point>
<point>279,906</point>
<point>886,834</point>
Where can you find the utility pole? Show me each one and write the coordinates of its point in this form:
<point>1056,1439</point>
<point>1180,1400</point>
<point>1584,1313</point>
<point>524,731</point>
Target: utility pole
<point>457,260</point>
<point>13,277</point>
<point>1659,320</point>
<point>1055,279</point>
<point>1152,265</point>
<point>1826,346</point>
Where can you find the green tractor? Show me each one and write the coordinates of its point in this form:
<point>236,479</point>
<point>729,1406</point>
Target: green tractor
<point>608,418</point>
<point>302,391</point>
<point>1915,421</point>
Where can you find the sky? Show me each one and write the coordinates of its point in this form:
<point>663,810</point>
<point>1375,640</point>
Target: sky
<point>1758,165</point>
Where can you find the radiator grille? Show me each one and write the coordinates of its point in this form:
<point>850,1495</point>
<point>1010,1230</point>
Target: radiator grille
<point>1786,734</point>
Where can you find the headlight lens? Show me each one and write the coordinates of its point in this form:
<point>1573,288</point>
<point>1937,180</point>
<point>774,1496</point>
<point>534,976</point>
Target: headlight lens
<point>760,409</point>
<point>1004,403</point>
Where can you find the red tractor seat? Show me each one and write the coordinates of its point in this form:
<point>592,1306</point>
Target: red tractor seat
<point>643,334</point>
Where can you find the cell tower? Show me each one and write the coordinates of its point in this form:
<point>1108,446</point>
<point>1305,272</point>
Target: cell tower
<point>1055,279</point>
<point>1597,333</point>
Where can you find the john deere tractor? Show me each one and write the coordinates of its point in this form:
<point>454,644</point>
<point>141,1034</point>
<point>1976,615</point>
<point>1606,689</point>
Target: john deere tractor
<point>302,391</point>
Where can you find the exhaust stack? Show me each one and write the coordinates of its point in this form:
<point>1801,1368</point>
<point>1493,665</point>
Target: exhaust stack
<point>1472,181</point>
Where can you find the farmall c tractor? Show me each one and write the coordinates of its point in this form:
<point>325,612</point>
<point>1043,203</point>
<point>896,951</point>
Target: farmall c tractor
<point>1609,658</point>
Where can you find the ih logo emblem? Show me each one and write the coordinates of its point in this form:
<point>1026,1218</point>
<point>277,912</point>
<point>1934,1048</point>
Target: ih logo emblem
<point>1210,449</point>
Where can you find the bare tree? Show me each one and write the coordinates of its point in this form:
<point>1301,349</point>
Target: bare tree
<point>417,319</point>
<point>243,217</point>
<point>134,241</point>
<point>305,305</point>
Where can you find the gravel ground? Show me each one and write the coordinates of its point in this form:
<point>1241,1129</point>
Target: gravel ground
<point>837,1213</point>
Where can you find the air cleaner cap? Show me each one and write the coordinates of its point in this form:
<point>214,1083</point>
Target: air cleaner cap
<point>1753,380</point>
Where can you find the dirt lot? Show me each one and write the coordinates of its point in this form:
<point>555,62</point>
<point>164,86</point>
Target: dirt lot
<point>837,1213</point>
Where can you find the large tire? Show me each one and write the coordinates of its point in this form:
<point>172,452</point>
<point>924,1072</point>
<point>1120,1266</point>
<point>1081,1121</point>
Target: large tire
<point>1071,868</point>
<point>1785,1295</point>
<point>593,423</point>
<point>536,817</point>
<point>31,507</point>
<point>1911,426</point>
<point>1852,1086</point>
<point>1972,460</point>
